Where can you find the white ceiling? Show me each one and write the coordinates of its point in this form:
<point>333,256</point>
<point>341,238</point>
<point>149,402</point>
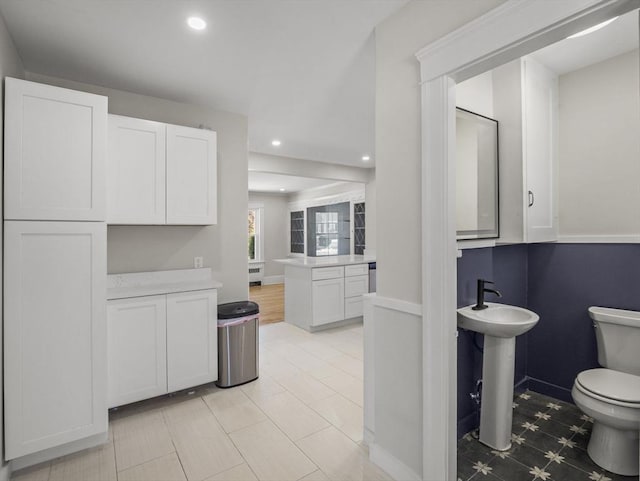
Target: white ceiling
<point>575,53</point>
<point>303,71</point>
<point>272,183</point>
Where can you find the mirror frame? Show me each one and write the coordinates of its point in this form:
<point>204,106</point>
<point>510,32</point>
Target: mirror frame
<point>493,233</point>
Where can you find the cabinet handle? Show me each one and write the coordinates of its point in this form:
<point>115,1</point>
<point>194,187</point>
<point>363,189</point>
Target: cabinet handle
<point>531,198</point>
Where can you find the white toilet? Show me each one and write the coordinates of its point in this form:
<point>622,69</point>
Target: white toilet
<point>611,394</point>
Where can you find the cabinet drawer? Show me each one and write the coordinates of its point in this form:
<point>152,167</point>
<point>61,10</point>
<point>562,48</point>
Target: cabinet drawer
<point>319,273</point>
<point>352,307</point>
<point>357,270</point>
<point>356,286</point>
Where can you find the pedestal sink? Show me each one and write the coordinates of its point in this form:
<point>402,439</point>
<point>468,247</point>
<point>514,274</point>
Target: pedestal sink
<point>500,325</point>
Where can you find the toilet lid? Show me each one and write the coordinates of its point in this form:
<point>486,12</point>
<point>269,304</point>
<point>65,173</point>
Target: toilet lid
<point>615,385</point>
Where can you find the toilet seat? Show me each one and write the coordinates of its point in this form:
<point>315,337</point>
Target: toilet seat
<point>611,386</point>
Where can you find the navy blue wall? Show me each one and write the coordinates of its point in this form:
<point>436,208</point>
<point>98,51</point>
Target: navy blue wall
<point>564,280</point>
<point>558,282</point>
<point>507,267</point>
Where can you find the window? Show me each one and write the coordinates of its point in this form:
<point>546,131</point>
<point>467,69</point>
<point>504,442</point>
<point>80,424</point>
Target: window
<point>328,230</point>
<point>326,233</point>
<point>254,243</point>
<point>297,232</point>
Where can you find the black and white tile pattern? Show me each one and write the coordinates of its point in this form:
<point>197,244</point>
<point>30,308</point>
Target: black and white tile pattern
<point>549,443</point>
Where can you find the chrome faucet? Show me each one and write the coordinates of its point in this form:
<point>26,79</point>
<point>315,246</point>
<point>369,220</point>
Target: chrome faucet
<point>481,290</point>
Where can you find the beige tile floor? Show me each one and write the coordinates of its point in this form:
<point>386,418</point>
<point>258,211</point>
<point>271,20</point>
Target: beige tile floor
<point>301,420</point>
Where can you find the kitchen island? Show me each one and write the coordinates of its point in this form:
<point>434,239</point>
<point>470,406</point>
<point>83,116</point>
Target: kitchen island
<point>322,292</point>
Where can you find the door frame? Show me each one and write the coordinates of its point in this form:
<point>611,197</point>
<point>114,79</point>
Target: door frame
<point>514,29</point>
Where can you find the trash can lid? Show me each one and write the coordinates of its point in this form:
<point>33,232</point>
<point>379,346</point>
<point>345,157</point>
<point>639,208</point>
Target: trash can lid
<point>231,310</point>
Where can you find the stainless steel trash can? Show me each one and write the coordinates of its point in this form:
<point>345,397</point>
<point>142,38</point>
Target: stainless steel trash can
<point>238,337</point>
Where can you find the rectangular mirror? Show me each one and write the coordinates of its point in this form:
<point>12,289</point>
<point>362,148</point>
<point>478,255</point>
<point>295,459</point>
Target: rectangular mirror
<point>476,176</point>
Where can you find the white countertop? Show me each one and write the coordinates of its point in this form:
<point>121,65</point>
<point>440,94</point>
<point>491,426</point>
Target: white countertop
<point>326,261</point>
<point>139,284</point>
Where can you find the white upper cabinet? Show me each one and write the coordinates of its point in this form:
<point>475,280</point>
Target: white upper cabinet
<point>525,96</point>
<point>540,107</point>
<point>191,176</point>
<point>54,334</point>
<point>55,152</point>
<point>136,171</point>
<point>160,173</point>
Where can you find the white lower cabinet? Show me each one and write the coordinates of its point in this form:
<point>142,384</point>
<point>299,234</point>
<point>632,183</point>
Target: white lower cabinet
<point>319,296</point>
<point>192,341</point>
<point>160,344</point>
<point>328,301</point>
<point>137,353</point>
<point>55,361</point>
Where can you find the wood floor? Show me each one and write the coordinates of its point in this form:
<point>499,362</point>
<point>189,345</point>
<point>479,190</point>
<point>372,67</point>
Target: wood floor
<point>271,301</point>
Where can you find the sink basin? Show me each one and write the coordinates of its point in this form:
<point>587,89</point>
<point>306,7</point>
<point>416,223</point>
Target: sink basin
<point>500,325</point>
<point>497,320</point>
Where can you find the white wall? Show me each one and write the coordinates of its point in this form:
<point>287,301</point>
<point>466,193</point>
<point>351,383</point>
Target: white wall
<point>223,246</point>
<point>11,66</point>
<point>319,193</point>
<point>275,220</point>
<point>476,94</point>
<point>398,174</point>
<point>307,168</point>
<point>599,149</point>
<point>398,139</point>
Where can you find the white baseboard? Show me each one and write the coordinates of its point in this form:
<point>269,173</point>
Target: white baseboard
<point>392,465</point>
<point>5,472</point>
<point>268,280</point>
<point>58,451</point>
<point>368,437</point>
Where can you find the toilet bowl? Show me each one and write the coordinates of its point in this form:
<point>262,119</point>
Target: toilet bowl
<point>611,394</point>
<point>612,399</point>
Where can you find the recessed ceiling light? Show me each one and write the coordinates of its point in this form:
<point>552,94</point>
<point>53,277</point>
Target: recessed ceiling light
<point>281,190</point>
<point>276,143</point>
<point>592,29</point>
<point>366,158</point>
<point>196,23</point>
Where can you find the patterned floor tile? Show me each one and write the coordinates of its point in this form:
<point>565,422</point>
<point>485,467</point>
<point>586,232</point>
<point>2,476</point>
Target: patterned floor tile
<point>569,416</point>
<point>557,430</point>
<point>529,456</point>
<point>542,441</point>
<point>549,445</point>
<point>465,468</point>
<point>563,471</point>
<point>508,469</point>
<point>472,449</point>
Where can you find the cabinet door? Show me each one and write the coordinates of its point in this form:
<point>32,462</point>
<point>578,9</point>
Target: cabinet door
<point>192,339</point>
<point>356,286</point>
<point>55,153</point>
<point>328,301</point>
<point>136,171</point>
<point>191,176</point>
<point>540,98</point>
<point>136,349</point>
<point>55,334</point>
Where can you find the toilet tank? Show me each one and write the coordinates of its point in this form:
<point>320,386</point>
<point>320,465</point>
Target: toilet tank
<point>618,338</point>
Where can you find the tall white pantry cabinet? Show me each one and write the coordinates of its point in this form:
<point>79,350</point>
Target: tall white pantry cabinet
<point>55,267</point>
